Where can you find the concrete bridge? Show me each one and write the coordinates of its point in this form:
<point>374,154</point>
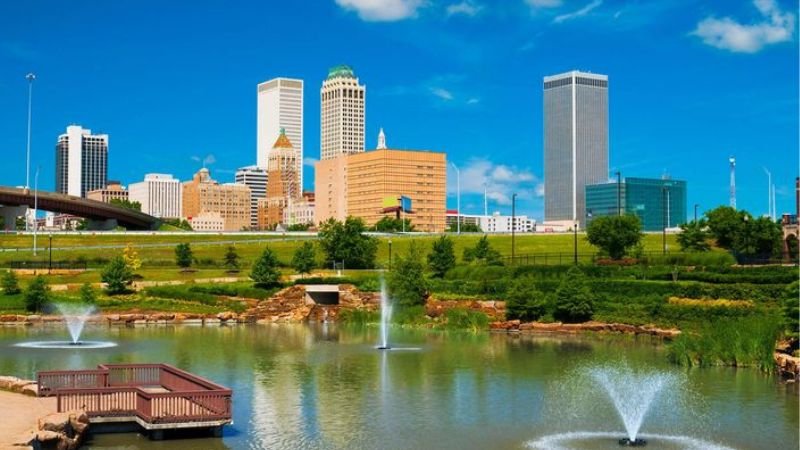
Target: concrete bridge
<point>100,215</point>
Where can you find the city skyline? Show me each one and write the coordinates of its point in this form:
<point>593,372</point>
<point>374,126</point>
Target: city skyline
<point>455,102</point>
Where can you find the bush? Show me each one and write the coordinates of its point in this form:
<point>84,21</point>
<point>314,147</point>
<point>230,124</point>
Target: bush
<point>406,282</point>
<point>483,253</point>
<point>466,319</point>
<point>303,260</point>
<point>524,301</point>
<point>117,275</point>
<point>183,255</point>
<point>265,270</point>
<point>232,259</point>
<point>615,234</point>
<point>37,294</point>
<point>87,294</point>
<point>10,283</point>
<point>573,300</point>
<point>791,310</point>
<point>694,237</point>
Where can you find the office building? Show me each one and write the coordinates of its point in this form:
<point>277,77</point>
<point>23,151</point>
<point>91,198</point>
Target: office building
<point>283,187</point>
<point>360,184</point>
<point>203,195</point>
<point>494,223</point>
<point>255,178</point>
<point>81,161</point>
<point>207,221</point>
<point>658,202</point>
<point>280,105</point>
<point>575,143</point>
<point>300,212</point>
<point>159,194</point>
<point>113,191</point>
<point>342,113</point>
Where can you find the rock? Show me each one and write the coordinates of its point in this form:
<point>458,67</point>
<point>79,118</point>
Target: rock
<point>48,437</point>
<point>57,422</point>
<point>8,318</point>
<point>113,318</point>
<point>79,421</point>
<point>31,389</point>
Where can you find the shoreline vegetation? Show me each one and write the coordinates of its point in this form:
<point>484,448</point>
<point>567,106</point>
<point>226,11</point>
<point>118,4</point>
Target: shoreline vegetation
<point>223,281</point>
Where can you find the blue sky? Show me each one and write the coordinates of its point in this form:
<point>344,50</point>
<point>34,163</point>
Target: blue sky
<point>174,82</point>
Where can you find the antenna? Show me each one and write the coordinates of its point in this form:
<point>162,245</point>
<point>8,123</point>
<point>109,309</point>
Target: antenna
<point>732,162</point>
<point>769,193</point>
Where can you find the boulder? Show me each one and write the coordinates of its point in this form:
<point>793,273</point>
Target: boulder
<point>57,422</point>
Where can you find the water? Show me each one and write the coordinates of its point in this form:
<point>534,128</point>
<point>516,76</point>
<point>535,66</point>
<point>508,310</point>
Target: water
<point>325,387</point>
<point>75,315</point>
<point>386,317</point>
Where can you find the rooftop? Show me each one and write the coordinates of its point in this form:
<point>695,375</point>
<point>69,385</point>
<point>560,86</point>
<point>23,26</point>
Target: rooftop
<point>340,71</point>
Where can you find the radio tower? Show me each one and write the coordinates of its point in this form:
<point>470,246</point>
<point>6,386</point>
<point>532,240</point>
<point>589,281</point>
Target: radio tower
<point>732,160</point>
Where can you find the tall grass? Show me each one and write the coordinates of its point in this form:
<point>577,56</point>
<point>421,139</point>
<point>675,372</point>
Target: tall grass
<point>466,319</point>
<point>358,317</point>
<point>737,342</point>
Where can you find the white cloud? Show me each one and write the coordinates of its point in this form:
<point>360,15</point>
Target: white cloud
<point>728,34</point>
<point>579,13</point>
<point>539,190</point>
<point>466,7</point>
<point>208,159</point>
<point>309,161</point>
<point>544,3</point>
<point>443,94</point>
<point>499,181</point>
<point>382,10</point>
<point>473,101</point>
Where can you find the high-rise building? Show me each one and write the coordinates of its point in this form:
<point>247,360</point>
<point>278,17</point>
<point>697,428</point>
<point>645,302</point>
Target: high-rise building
<point>361,184</point>
<point>81,161</point>
<point>575,142</point>
<point>159,194</point>
<point>658,202</point>
<point>255,178</point>
<point>280,105</point>
<point>113,191</point>
<point>203,195</point>
<point>283,186</point>
<point>342,113</point>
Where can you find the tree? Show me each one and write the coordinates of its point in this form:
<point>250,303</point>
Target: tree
<point>303,260</point>
<point>116,275</point>
<point>37,294</point>
<point>724,224</point>
<point>574,302</point>
<point>298,227</point>
<point>231,259</point>
<point>346,242</point>
<point>524,301</point>
<point>88,294</point>
<point>791,309</point>
<point>483,253</point>
<point>183,255</point>
<point>390,224</point>
<point>694,237</point>
<point>760,237</point>
<point>614,234</point>
<point>124,203</point>
<point>178,223</point>
<point>465,228</point>
<point>10,283</point>
<point>442,257</point>
<point>406,282</point>
<point>265,270</point>
<point>131,257</point>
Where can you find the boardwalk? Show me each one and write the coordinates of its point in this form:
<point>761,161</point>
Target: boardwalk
<point>157,397</point>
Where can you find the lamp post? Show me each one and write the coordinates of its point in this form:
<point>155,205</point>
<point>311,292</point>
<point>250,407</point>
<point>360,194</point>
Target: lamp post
<point>619,193</point>
<point>50,247</point>
<point>575,242</point>
<point>664,220</point>
<point>390,254</point>
<point>458,198</point>
<point>513,224</point>
<point>30,77</point>
<point>695,211</point>
<point>35,207</point>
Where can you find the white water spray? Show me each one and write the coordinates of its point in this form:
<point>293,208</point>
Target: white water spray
<point>386,316</point>
<point>75,317</point>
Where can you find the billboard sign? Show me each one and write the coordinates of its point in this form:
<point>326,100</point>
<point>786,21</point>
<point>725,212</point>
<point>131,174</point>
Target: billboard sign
<point>405,203</point>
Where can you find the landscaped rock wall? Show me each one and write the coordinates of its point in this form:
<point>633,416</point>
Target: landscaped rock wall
<point>291,305</point>
<point>57,431</point>
<point>19,385</point>
<point>572,328</point>
<point>494,309</point>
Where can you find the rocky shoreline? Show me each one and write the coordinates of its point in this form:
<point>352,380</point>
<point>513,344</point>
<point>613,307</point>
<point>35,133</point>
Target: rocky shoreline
<point>516,326</point>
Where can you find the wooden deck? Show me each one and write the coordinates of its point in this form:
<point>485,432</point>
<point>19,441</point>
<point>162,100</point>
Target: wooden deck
<point>155,396</point>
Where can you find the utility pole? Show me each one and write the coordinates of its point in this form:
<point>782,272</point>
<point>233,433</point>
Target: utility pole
<point>30,77</point>
<point>732,162</point>
<point>770,212</point>
<point>663,220</point>
<point>695,211</point>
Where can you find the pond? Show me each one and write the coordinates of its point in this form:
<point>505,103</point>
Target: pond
<point>326,387</point>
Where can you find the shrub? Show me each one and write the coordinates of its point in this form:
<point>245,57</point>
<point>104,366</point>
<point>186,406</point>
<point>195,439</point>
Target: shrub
<point>10,283</point>
<point>117,276</point>
<point>791,309</point>
<point>231,259</point>
<point>183,255</point>
<point>442,257</point>
<point>131,257</point>
<point>37,294</point>
<point>265,270</point>
<point>694,237</point>
<point>303,259</point>
<point>524,301</point>
<point>573,300</point>
<point>88,294</point>
<point>406,282</point>
<point>483,253</point>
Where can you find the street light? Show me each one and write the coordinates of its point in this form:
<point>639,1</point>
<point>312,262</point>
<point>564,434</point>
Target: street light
<point>35,207</point>
<point>664,191</point>
<point>30,77</point>
<point>513,223</point>
<point>575,242</point>
<point>390,254</point>
<point>619,193</point>
<point>695,211</point>
<point>50,263</point>
<point>458,198</point>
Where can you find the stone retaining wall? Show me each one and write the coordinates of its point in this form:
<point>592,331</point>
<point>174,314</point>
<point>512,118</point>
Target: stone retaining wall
<point>573,328</point>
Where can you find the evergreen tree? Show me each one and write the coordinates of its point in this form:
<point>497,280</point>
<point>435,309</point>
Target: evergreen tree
<point>524,301</point>
<point>37,294</point>
<point>574,302</point>
<point>303,260</point>
<point>406,282</point>
<point>442,257</point>
<point>265,270</point>
<point>116,275</point>
<point>232,259</point>
<point>10,283</point>
<point>88,294</point>
<point>483,253</point>
<point>183,255</point>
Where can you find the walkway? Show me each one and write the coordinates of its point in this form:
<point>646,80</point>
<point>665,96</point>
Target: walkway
<point>20,414</point>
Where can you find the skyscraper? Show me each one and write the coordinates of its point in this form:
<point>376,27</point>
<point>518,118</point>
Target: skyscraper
<point>280,105</point>
<point>203,197</point>
<point>575,142</point>
<point>658,202</point>
<point>342,113</point>
<point>283,187</point>
<point>256,179</point>
<point>159,194</point>
<point>81,161</point>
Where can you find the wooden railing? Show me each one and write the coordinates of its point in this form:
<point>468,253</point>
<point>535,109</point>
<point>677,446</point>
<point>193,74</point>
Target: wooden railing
<point>132,389</point>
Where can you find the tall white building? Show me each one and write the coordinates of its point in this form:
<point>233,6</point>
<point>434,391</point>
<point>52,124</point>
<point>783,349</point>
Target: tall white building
<point>575,143</point>
<point>256,179</point>
<point>342,113</point>
<point>81,161</point>
<point>280,105</point>
<point>160,195</point>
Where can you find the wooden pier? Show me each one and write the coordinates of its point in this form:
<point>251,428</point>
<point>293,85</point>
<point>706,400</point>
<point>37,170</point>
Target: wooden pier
<point>157,397</point>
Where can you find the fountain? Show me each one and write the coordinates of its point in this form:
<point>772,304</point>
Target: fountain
<point>75,316</point>
<point>386,315</point>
